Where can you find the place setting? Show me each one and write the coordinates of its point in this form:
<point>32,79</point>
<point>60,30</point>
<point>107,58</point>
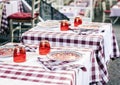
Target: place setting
<point>84,28</point>
<point>6,51</point>
<point>55,58</point>
<point>77,26</point>
<point>49,25</point>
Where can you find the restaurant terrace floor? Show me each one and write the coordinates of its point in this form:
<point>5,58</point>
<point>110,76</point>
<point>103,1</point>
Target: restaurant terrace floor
<point>114,65</point>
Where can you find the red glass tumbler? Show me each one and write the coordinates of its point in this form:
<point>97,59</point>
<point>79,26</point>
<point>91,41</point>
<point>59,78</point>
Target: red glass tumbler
<point>77,21</point>
<point>44,47</point>
<point>64,25</point>
<point>19,54</point>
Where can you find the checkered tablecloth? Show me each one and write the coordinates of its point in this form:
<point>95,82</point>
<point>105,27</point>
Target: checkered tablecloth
<point>34,70</point>
<point>4,22</point>
<point>95,41</point>
<point>35,74</point>
<point>63,39</point>
<point>68,39</point>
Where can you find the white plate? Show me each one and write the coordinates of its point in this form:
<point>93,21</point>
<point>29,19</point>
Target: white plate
<point>6,52</point>
<point>65,55</point>
<point>49,23</point>
<point>89,26</point>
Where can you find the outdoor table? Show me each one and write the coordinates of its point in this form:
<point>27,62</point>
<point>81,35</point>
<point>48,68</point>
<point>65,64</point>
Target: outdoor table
<point>103,41</point>
<point>32,72</point>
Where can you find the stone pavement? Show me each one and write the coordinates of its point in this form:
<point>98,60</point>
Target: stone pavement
<point>114,65</point>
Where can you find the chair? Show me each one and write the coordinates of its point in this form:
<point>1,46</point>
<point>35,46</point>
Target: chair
<point>96,7</point>
<point>24,17</point>
<point>106,12</point>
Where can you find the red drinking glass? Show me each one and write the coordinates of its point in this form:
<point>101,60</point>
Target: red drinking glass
<point>77,21</point>
<point>44,47</point>
<point>64,25</point>
<point>19,54</point>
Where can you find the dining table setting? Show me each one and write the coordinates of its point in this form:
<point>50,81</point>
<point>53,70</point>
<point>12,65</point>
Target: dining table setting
<point>98,36</point>
<point>46,68</point>
<point>58,52</point>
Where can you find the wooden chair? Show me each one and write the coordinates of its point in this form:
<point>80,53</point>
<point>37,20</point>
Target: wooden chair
<point>106,12</point>
<point>23,17</point>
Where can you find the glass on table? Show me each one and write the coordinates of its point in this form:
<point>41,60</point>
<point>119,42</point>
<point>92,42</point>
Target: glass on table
<point>19,54</point>
<point>44,47</point>
<point>77,21</point>
<point>64,25</point>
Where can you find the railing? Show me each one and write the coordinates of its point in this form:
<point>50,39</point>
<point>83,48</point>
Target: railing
<point>49,12</point>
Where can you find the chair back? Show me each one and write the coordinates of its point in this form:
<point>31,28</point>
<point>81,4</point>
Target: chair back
<point>1,9</point>
<point>35,7</point>
<point>104,5</point>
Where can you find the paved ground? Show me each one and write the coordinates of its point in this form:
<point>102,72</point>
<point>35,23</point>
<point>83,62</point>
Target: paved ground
<point>114,66</point>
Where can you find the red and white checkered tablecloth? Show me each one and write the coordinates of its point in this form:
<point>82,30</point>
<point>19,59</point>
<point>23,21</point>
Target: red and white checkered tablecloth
<point>4,22</point>
<point>94,41</point>
<point>36,74</point>
<point>63,39</point>
<point>32,72</point>
<point>69,39</point>
<point>94,71</point>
